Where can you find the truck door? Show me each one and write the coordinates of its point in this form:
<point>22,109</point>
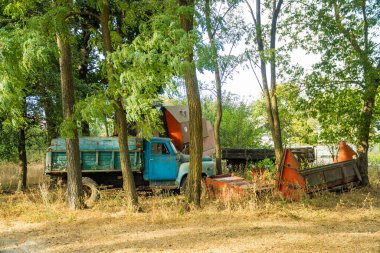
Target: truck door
<point>162,163</point>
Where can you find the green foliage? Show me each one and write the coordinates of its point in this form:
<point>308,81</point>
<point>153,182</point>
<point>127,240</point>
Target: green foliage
<point>243,125</point>
<point>8,144</point>
<point>268,164</point>
<point>338,86</point>
<point>298,124</point>
<point>36,143</point>
<point>67,128</point>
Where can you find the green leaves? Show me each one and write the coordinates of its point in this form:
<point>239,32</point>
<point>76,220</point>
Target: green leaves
<point>243,124</point>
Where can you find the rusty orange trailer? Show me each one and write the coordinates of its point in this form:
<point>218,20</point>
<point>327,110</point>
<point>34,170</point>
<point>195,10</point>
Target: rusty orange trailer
<point>293,182</point>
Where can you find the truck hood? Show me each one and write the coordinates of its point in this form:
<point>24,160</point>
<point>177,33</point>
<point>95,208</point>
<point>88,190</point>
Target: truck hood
<point>186,158</point>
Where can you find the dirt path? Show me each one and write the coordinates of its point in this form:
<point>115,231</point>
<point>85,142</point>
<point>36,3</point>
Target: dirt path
<point>203,232</point>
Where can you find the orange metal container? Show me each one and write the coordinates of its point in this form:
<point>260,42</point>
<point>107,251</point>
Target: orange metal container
<point>233,187</point>
<point>289,181</point>
<point>178,129</point>
<point>345,152</point>
<point>293,182</point>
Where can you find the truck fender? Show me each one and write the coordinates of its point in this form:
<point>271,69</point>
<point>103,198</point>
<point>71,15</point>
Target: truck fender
<point>183,170</point>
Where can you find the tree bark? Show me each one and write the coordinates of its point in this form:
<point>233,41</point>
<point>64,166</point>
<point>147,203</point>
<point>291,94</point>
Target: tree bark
<point>276,135</point>
<point>125,161</point>
<point>121,122</point>
<point>193,194</point>
<point>269,93</point>
<point>83,68</point>
<point>23,165</point>
<point>371,83</point>
<point>366,116</point>
<point>74,173</point>
<point>51,122</point>
<point>85,128</point>
<point>218,84</point>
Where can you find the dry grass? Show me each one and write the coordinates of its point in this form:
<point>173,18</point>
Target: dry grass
<point>38,221</point>
<point>8,175</point>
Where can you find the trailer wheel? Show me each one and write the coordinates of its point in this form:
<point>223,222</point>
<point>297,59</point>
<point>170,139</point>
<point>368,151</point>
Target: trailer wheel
<point>90,190</point>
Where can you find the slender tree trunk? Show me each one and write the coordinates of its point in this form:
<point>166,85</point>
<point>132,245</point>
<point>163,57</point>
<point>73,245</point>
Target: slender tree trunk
<point>51,124</point>
<point>266,90</point>
<point>85,128</point>
<point>277,138</point>
<point>218,84</point>
<point>269,93</point>
<point>193,194</point>
<point>23,165</point>
<point>74,173</point>
<point>106,126</point>
<point>121,122</point>
<point>83,69</point>
<point>125,161</point>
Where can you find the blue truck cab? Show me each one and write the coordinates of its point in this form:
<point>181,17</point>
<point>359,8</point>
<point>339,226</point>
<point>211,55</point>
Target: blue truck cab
<point>155,163</point>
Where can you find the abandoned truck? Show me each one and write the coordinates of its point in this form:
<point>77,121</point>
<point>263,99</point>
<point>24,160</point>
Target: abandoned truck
<point>155,163</point>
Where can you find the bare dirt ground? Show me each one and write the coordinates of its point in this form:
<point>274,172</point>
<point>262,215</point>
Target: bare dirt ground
<point>38,221</point>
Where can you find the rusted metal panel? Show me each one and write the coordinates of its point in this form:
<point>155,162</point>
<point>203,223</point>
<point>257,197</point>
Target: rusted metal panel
<point>292,181</point>
<point>304,153</point>
<point>331,176</point>
<point>247,154</point>
<point>178,127</point>
<point>234,187</point>
<point>209,141</point>
<point>226,186</point>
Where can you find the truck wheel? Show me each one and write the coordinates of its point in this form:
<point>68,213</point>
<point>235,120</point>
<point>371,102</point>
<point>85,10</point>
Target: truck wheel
<point>90,190</point>
<point>183,186</point>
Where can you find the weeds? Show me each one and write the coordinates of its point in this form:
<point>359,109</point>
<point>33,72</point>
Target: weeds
<point>42,204</point>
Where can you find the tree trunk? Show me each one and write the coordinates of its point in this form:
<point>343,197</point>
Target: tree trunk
<point>218,84</point>
<point>371,81</point>
<point>23,167</point>
<point>85,128</point>
<point>193,194</point>
<point>269,93</point>
<point>363,146</point>
<point>74,173</point>
<point>125,161</point>
<point>106,126</point>
<point>51,123</point>
<point>83,68</point>
<point>366,116</point>
<point>277,138</point>
<point>120,116</point>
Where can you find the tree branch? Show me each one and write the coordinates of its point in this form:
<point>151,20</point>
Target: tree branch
<point>254,72</point>
<point>366,48</point>
<point>251,12</point>
<point>353,42</point>
<point>229,54</point>
<point>224,15</point>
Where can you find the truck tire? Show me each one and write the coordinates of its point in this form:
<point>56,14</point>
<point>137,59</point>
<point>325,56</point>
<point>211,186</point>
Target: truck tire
<point>183,186</point>
<point>90,190</point>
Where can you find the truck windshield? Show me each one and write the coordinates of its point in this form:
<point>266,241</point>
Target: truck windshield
<point>174,149</point>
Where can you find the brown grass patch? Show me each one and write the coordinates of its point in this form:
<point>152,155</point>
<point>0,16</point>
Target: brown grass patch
<point>327,222</point>
<point>9,178</point>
